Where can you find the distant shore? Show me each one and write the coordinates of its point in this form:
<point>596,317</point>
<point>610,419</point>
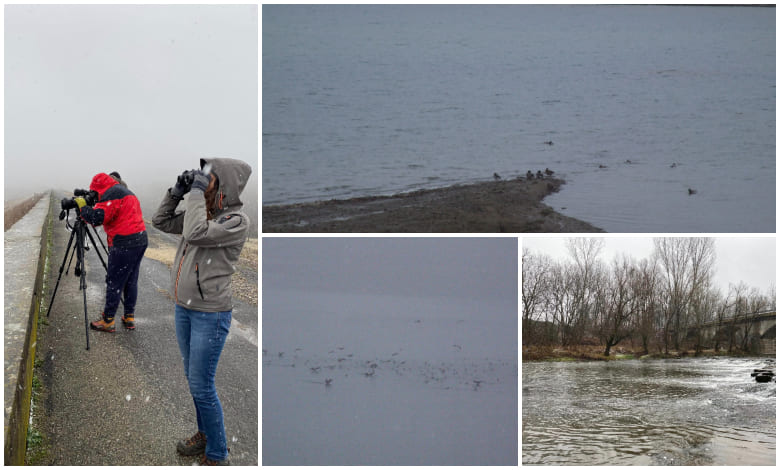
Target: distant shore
<point>596,353</point>
<point>512,206</point>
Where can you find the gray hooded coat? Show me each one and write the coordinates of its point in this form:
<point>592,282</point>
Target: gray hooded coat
<point>209,249</point>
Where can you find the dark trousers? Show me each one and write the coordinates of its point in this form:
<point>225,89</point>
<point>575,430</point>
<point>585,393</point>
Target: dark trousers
<point>124,264</point>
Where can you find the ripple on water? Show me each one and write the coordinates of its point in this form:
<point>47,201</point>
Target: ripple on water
<point>690,412</point>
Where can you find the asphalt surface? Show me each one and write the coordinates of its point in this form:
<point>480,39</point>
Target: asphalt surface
<point>125,401</point>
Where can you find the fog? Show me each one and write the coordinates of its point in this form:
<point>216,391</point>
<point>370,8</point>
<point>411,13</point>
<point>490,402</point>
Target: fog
<point>390,351</point>
<point>483,269</point>
<point>145,90</point>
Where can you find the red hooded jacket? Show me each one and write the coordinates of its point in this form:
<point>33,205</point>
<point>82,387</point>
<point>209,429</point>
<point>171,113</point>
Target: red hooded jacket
<point>118,210</point>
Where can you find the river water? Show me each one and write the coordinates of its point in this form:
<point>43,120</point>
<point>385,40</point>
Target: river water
<point>366,99</point>
<point>657,412</point>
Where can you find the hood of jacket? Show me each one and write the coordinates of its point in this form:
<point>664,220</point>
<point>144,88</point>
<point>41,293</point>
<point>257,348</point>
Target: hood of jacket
<point>233,175</point>
<point>101,182</point>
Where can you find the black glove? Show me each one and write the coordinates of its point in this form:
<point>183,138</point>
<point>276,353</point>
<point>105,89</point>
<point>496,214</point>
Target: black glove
<point>183,184</point>
<point>201,180</point>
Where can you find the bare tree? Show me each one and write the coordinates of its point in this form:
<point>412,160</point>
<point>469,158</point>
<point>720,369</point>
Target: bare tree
<point>582,282</point>
<point>535,291</point>
<point>644,289</point>
<point>721,313</point>
<point>673,259</point>
<point>615,306</point>
<point>687,264</point>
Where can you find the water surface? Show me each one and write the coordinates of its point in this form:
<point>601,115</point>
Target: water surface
<point>353,379</point>
<point>367,100</point>
<point>665,412</point>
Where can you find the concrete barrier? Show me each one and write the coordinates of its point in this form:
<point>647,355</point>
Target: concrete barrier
<point>25,258</point>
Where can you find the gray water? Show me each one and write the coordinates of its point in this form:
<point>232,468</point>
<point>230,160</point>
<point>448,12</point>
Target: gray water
<point>368,100</point>
<point>667,412</point>
<point>351,379</point>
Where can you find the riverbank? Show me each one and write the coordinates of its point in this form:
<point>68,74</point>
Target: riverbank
<point>513,206</point>
<point>596,353</point>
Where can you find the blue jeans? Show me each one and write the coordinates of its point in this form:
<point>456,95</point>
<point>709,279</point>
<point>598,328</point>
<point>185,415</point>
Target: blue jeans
<point>124,264</point>
<point>201,337</point>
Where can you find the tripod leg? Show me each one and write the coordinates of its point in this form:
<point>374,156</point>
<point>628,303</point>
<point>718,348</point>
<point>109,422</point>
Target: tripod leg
<point>86,319</point>
<point>62,266</point>
<point>79,228</point>
<point>100,256</point>
<point>95,245</point>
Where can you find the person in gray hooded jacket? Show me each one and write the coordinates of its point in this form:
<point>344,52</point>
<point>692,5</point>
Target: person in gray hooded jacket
<point>213,230</point>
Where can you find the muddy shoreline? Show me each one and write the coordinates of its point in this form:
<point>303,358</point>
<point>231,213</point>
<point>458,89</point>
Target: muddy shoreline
<point>511,206</point>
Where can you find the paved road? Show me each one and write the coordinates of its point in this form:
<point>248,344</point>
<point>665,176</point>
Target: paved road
<point>126,401</point>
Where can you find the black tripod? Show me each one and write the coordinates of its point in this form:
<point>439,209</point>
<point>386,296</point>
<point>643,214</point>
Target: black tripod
<point>79,231</point>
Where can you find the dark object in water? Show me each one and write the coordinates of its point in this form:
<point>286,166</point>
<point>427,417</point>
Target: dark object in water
<point>496,176</point>
<point>691,191</point>
<point>549,142</point>
<point>763,375</point>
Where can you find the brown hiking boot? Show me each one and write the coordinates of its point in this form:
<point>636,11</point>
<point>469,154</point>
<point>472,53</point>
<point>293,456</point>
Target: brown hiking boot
<point>128,320</point>
<point>193,446</point>
<point>102,325</point>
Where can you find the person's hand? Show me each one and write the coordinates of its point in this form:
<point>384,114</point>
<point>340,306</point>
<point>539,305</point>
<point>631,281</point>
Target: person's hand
<point>183,184</point>
<point>201,180</point>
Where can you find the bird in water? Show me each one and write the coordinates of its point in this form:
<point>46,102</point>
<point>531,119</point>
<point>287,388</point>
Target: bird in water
<point>691,191</point>
<point>529,175</point>
<point>673,165</point>
<point>602,166</point>
<point>548,142</point>
<point>549,172</point>
<point>327,382</point>
<point>496,176</point>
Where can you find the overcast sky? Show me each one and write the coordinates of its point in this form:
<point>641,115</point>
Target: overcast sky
<point>145,90</point>
<point>747,259</point>
<point>476,268</point>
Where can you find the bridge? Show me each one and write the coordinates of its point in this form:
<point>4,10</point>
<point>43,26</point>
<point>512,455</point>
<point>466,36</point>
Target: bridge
<point>758,326</point>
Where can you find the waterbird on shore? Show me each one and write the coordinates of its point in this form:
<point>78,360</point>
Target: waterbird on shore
<point>496,176</point>
<point>529,175</point>
<point>539,175</point>
<point>549,172</point>
<point>691,191</point>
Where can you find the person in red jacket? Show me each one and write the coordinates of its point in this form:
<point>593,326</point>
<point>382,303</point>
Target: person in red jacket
<point>119,212</point>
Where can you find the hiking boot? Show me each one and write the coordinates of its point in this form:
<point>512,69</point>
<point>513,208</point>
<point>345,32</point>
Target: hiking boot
<point>103,325</point>
<point>192,446</point>
<point>128,320</point>
<point>207,461</point>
